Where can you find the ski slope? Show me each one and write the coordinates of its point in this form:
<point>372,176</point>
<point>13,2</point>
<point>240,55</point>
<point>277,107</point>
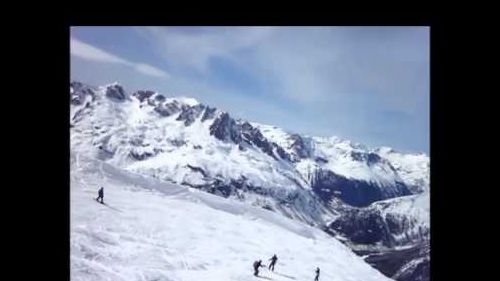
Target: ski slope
<point>151,230</point>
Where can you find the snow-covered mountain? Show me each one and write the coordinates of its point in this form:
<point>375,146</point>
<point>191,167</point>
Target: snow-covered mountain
<point>186,142</point>
<point>340,186</point>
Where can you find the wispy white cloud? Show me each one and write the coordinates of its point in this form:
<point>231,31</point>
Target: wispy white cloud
<point>89,52</point>
<point>150,70</point>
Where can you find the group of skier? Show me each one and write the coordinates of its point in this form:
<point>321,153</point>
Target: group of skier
<point>258,264</point>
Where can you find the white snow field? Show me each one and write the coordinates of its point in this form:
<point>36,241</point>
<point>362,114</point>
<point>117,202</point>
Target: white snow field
<point>151,230</point>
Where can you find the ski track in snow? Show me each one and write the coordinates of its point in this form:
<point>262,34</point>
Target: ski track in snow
<point>152,230</point>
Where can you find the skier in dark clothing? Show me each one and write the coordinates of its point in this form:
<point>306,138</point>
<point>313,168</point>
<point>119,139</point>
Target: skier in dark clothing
<point>256,266</point>
<point>273,262</point>
<point>101,195</point>
<point>317,274</point>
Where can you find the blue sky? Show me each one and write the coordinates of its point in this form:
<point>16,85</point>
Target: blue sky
<point>367,84</point>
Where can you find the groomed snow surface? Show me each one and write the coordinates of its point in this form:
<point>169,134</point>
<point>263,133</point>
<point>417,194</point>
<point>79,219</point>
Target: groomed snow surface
<point>150,230</point>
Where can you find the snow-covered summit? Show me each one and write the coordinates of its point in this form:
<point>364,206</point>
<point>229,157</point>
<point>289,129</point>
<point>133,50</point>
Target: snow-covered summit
<point>188,101</point>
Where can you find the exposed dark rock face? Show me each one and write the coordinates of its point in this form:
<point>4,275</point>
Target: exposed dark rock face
<point>143,95</point>
<point>167,109</point>
<point>373,159</point>
<point>364,228</point>
<point>190,114</point>
<point>300,147</point>
<point>177,142</point>
<point>197,169</point>
<point>160,98</point>
<point>209,113</point>
<point>321,160</point>
<point>80,93</point>
<point>116,92</point>
<point>327,185</point>
<point>369,158</point>
<point>225,128</point>
<point>140,155</point>
<point>253,136</point>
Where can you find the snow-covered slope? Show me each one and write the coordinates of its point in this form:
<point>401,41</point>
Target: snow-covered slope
<point>414,169</point>
<point>151,230</point>
<point>414,206</point>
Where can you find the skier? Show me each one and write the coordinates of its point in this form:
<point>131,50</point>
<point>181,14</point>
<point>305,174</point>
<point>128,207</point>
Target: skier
<point>273,262</point>
<point>317,274</point>
<point>101,195</point>
<point>256,266</point>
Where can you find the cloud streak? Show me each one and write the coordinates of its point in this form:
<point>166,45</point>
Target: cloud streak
<point>150,70</point>
<point>89,52</point>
